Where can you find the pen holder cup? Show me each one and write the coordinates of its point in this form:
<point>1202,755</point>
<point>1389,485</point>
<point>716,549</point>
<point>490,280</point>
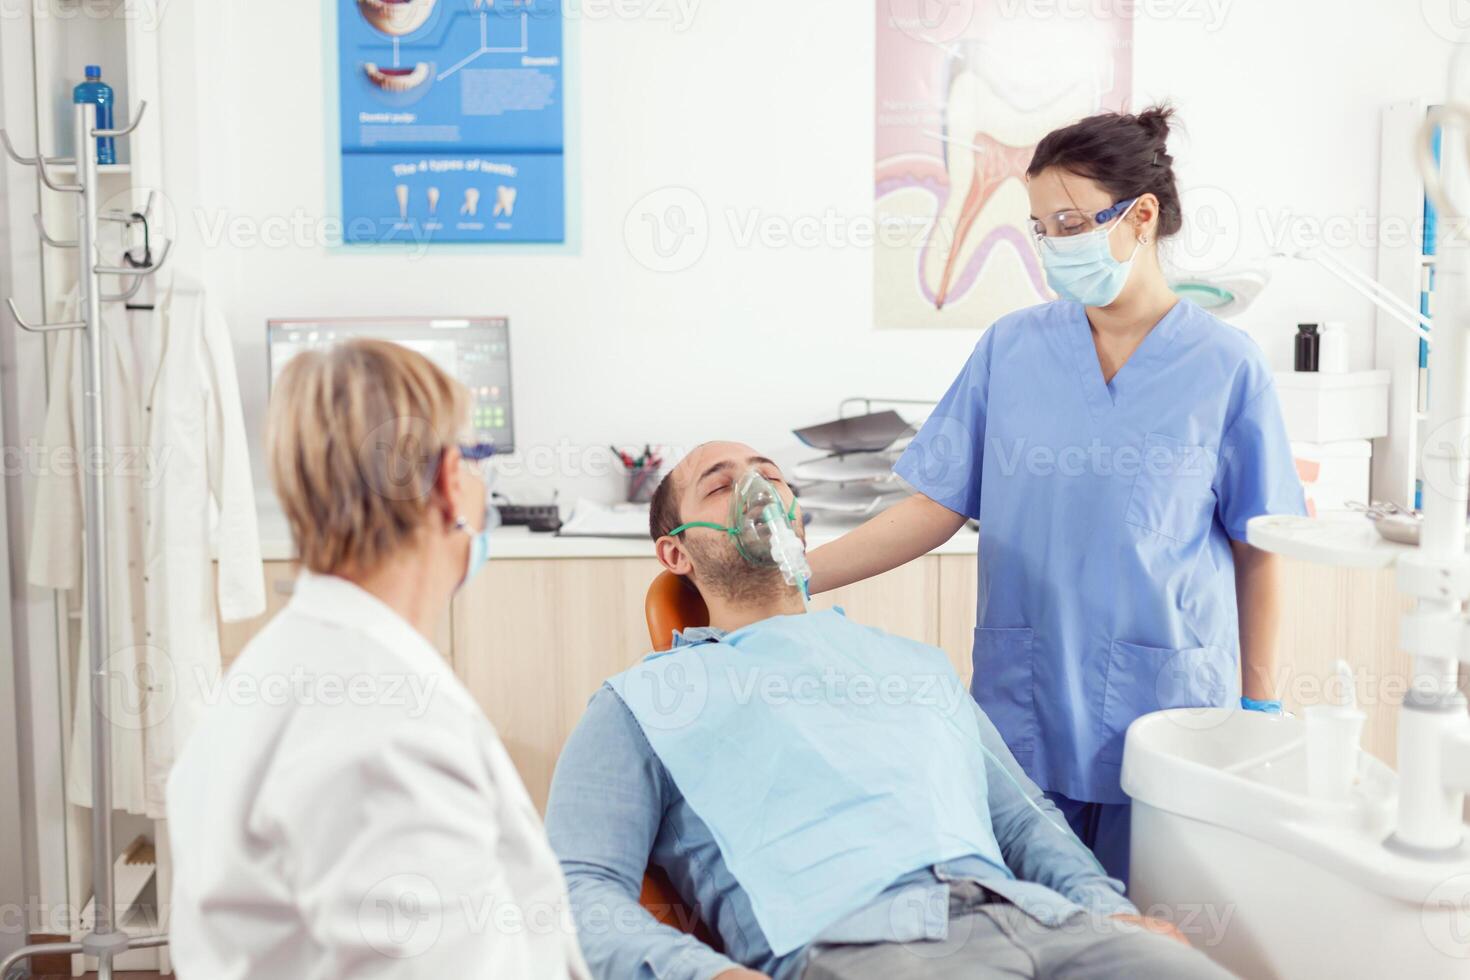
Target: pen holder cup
<point>642,481</point>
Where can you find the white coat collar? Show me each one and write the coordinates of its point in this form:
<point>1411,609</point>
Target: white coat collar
<point>335,600</point>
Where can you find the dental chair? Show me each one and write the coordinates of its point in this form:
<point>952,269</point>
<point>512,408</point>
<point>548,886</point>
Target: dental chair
<point>669,606</point>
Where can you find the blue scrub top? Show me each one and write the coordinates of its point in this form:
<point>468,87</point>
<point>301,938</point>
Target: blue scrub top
<point>1106,510</point>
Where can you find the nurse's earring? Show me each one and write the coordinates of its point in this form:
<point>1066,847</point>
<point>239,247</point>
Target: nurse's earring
<point>1143,239</point>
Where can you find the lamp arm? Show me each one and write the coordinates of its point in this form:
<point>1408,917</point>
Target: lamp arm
<point>1375,292</point>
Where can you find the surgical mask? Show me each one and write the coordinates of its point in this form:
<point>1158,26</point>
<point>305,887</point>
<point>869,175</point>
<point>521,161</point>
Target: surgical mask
<point>1081,268</point>
<point>764,530</point>
<point>479,552</point>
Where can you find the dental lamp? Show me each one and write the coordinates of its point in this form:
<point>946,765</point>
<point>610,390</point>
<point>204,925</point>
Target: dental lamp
<point>1229,293</point>
<point>1224,294</point>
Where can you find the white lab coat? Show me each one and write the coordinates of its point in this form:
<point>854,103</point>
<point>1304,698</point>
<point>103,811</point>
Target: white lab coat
<point>178,473</point>
<point>348,811</point>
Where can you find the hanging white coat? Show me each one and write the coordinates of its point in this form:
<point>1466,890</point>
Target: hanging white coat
<point>178,479</point>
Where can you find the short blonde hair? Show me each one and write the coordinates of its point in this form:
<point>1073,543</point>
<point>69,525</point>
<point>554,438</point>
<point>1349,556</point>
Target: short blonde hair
<point>355,438</point>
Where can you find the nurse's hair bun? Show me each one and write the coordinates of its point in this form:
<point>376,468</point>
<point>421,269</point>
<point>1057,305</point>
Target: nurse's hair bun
<point>1155,122</point>
<point>1128,154</point>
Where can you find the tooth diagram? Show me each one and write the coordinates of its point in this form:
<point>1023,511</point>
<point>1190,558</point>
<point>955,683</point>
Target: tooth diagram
<point>471,201</point>
<point>505,201</point>
<point>991,143</point>
<point>991,165</point>
<point>395,79</point>
<point>401,191</point>
<point>396,17</point>
<point>958,121</point>
<point>433,200</point>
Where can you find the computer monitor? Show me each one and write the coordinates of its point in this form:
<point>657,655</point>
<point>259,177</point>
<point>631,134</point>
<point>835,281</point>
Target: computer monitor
<point>473,350</point>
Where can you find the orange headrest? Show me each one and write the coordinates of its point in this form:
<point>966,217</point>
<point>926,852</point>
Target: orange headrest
<point>672,605</point>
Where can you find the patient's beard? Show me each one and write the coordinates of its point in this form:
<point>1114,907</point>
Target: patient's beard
<point>720,572</point>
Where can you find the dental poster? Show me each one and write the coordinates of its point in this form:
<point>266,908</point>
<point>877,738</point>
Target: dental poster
<point>965,91</point>
<point>452,115</point>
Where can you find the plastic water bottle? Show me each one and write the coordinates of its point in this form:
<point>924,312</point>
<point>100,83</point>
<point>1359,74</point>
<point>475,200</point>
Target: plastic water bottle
<point>95,90</point>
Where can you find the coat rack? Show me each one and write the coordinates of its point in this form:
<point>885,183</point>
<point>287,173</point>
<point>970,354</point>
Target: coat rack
<point>105,940</point>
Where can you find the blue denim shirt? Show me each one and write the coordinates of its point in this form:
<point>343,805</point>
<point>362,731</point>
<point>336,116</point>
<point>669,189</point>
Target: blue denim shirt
<point>614,810</point>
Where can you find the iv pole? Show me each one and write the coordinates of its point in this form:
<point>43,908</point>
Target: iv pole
<point>105,940</point>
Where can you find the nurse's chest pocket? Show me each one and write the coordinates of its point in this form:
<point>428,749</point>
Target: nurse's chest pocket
<point>1173,492</point>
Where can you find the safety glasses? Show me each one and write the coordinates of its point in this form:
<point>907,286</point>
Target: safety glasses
<point>478,455</point>
<point>1066,224</point>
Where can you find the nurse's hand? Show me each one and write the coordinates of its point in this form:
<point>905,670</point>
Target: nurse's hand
<point>741,974</point>
<point>1159,926</point>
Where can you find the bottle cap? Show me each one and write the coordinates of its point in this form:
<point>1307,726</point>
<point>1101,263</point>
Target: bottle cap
<point>1306,328</point>
<point>94,71</point>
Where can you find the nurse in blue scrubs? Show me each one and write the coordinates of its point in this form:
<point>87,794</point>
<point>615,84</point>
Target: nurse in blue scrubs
<point>1112,445</point>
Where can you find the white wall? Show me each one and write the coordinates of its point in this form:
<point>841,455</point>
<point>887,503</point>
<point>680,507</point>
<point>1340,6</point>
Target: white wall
<point>763,108</point>
<point>1281,104</point>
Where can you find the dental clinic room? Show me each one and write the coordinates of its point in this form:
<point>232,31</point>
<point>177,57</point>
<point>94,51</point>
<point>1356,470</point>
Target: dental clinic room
<point>697,490</point>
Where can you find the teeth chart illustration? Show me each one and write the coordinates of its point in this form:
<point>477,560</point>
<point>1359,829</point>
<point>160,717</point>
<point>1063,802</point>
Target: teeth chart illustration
<point>451,100</point>
<point>396,17</point>
<point>958,119</point>
<point>505,201</point>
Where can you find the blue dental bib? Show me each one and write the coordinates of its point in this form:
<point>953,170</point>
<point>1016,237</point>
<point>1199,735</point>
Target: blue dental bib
<point>828,759</point>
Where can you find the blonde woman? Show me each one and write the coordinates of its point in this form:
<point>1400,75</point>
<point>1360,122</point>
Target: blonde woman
<point>346,809</point>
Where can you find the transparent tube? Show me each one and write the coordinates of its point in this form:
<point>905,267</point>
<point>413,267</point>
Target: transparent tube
<point>789,554</point>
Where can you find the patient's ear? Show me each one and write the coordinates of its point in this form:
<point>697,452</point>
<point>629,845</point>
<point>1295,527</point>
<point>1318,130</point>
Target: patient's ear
<point>673,555</point>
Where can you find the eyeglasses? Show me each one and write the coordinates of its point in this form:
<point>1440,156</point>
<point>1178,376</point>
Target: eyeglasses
<point>1065,224</point>
<point>478,455</point>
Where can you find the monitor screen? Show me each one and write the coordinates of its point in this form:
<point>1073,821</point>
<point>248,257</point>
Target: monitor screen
<point>473,350</point>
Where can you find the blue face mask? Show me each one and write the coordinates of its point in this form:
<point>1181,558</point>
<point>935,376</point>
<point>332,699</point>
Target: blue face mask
<point>479,552</point>
<point>1081,268</point>
<point>479,546</point>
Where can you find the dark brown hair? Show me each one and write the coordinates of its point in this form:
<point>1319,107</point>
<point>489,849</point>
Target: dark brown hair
<point>1127,154</point>
<point>663,509</point>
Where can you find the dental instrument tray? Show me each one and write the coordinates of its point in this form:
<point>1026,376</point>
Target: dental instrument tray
<point>1393,523</point>
<point>857,434</point>
<point>850,468</point>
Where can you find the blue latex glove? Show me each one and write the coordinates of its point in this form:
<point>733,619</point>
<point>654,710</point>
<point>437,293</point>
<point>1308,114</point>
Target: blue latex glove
<point>1269,707</point>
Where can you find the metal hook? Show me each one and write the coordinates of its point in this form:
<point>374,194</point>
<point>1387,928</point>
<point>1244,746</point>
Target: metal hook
<point>138,274</point>
<point>137,118</point>
<point>38,162</point>
<point>126,294</point>
<point>42,327</point>
<point>122,270</point>
<point>10,151</point>
<point>41,227</point>
<point>46,179</point>
<point>130,217</point>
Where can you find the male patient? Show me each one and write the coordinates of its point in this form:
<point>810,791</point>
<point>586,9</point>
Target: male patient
<point>828,797</point>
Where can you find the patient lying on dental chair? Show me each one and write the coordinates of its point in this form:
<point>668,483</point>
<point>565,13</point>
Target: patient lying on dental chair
<point>828,797</point>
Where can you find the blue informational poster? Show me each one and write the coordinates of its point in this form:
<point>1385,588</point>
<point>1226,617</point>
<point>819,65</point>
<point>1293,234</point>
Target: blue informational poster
<point>453,116</point>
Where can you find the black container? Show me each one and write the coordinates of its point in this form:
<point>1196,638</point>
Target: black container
<point>1308,346</point>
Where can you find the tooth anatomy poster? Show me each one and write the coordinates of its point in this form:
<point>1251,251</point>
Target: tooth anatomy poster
<point>965,91</point>
<point>452,116</point>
